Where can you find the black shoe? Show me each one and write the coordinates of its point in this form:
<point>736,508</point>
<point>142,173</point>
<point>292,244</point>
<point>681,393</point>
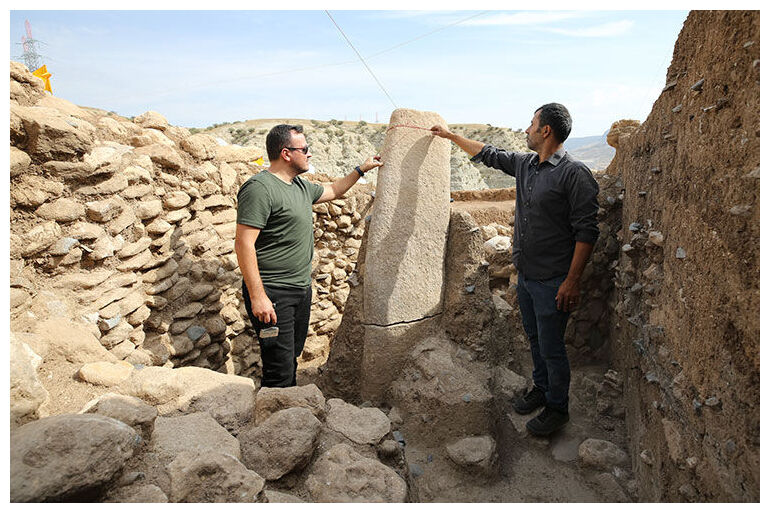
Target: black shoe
<point>547,422</point>
<point>533,400</point>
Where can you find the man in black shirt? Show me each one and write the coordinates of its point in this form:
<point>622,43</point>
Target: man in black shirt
<point>554,231</point>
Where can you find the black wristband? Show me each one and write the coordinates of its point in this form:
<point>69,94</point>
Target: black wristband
<point>361,173</point>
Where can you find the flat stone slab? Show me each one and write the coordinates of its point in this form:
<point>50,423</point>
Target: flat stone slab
<point>197,431</point>
<point>361,425</point>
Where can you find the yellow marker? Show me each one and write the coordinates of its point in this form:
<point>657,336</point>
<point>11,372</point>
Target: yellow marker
<point>260,161</point>
<point>42,72</point>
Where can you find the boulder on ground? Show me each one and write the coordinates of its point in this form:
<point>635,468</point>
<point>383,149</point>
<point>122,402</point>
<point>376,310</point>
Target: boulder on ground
<point>129,410</point>
<point>229,399</point>
<point>106,374</point>
<point>600,454</point>
<point>57,457</point>
<point>508,384</point>
<point>197,431</point>
<point>283,443</point>
<point>343,475</point>
<point>361,425</point>
<point>280,497</point>
<point>62,338</point>
<point>211,476</point>
<point>271,400</point>
<point>473,453</point>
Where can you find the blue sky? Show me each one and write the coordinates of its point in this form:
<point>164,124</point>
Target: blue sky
<point>204,67</point>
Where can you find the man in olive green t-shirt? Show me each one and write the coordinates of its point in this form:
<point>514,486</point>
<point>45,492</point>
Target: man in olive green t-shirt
<point>274,246</point>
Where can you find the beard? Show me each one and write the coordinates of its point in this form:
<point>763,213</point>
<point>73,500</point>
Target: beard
<point>529,144</point>
<point>300,169</point>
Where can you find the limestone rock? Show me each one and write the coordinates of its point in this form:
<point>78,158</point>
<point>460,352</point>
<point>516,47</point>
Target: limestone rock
<point>115,184</point>
<point>137,493</point>
<point>508,384</point>
<point>129,410</point>
<point>200,146</point>
<point>151,119</point>
<point>27,393</point>
<point>105,156</point>
<point>176,200</point>
<point>343,475</point>
<point>39,238</point>
<point>58,456</point>
<point>413,185</point>
<point>281,444</point>
<point>473,453</point>
<point>271,400</point>
<point>211,476</point>
<point>48,135</point>
<point>197,431</point>
<point>436,384</point>
<point>149,209</point>
<point>229,399</point>
<point>621,129</point>
<point>85,231</point>
<point>235,153</point>
<point>600,454</point>
<point>361,425</point>
<point>62,338</point>
<point>161,155</point>
<point>106,374</point>
<point>20,161</point>
<point>103,210</point>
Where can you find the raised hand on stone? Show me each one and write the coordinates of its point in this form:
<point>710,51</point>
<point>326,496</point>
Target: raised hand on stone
<point>440,131</point>
<point>371,163</point>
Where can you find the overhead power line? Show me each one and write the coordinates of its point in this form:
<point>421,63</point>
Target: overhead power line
<point>251,76</point>
<point>362,60</point>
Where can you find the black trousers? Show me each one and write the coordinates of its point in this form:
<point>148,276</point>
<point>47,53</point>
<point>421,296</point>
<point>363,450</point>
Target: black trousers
<point>279,354</point>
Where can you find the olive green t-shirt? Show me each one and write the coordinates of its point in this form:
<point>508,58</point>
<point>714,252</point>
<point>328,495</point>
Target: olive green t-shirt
<point>284,214</point>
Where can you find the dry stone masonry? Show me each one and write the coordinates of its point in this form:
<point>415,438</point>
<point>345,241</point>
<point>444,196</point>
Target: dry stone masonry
<point>134,376</point>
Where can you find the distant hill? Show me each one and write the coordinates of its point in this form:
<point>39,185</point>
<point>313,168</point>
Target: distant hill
<point>339,145</point>
<point>593,150</point>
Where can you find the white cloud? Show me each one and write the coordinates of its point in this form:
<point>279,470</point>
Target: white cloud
<point>611,29</point>
<point>522,18</point>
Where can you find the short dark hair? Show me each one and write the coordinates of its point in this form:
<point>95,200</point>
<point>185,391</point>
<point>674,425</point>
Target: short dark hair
<point>557,117</point>
<point>279,138</point>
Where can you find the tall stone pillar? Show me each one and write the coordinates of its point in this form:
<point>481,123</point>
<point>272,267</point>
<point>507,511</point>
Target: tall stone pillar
<point>404,274</point>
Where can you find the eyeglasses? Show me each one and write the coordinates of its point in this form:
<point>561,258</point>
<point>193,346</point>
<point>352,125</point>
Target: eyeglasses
<point>303,150</point>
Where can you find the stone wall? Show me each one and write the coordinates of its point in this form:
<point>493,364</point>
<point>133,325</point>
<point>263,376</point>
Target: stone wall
<point>128,226</point>
<point>687,332</point>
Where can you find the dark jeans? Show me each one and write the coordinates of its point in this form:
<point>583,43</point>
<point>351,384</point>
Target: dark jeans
<point>545,326</point>
<point>279,354</point>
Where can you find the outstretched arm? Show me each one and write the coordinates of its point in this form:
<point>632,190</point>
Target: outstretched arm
<point>338,189</point>
<point>470,146</point>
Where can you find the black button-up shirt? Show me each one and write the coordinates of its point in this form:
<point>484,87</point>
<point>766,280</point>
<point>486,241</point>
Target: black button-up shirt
<point>556,205</point>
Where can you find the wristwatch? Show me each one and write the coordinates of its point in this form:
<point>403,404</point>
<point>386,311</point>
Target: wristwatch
<point>361,173</point>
